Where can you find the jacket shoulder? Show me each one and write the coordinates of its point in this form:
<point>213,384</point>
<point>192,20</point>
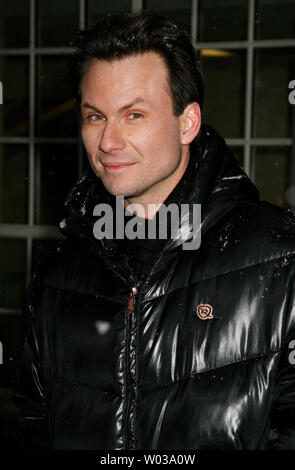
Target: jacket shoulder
<point>272,227</point>
<point>253,233</point>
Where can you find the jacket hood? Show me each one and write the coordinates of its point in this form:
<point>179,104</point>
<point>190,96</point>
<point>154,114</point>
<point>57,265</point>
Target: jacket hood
<point>219,185</point>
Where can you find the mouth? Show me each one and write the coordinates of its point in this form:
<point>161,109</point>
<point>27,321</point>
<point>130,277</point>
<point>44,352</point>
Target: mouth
<point>117,166</point>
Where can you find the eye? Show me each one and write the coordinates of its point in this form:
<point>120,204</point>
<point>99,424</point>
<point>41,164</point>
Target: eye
<point>133,116</point>
<point>95,117</point>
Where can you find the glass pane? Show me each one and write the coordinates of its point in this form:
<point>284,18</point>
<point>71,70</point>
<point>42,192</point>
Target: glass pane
<point>97,9</point>
<point>12,338</point>
<point>14,116</point>
<point>178,11</point>
<point>56,112</point>
<point>9,426</point>
<point>224,74</point>
<point>56,173</point>
<point>275,19</point>
<point>12,272</point>
<point>14,23</point>
<point>57,16</point>
<point>274,69</point>
<point>43,248</point>
<point>238,152</point>
<point>223,21</point>
<point>13,183</point>
<point>271,168</point>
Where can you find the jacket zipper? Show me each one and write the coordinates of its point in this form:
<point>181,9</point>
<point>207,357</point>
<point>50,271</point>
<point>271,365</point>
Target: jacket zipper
<point>131,300</point>
<point>130,319</point>
<point>128,373</point>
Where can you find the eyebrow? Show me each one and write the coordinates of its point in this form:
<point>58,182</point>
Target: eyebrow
<point>122,109</point>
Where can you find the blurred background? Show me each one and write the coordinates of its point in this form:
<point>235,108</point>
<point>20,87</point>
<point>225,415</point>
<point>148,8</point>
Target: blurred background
<point>247,55</point>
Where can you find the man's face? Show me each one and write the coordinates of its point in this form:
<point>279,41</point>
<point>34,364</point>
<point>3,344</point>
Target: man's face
<point>129,131</point>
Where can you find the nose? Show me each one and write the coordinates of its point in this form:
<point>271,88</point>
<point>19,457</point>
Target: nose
<point>111,139</point>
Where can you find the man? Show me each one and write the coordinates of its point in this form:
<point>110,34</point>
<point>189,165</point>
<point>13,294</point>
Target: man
<point>139,343</point>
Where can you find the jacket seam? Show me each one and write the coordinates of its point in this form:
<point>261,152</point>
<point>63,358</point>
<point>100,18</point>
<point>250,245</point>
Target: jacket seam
<point>289,254</point>
<point>218,275</point>
<point>188,377</point>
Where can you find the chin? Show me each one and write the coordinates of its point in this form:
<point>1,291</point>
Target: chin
<point>117,190</point>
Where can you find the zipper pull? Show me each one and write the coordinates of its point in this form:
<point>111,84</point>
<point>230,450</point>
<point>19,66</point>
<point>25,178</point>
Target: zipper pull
<point>131,300</point>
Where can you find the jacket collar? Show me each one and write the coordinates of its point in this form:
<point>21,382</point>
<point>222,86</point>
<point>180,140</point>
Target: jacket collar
<point>219,185</point>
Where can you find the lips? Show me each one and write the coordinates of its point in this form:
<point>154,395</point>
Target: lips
<point>117,165</point>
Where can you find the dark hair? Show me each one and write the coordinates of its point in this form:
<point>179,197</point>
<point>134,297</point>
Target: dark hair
<point>119,35</point>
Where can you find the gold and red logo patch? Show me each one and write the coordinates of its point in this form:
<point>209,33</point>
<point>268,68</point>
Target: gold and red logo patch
<point>204,311</point>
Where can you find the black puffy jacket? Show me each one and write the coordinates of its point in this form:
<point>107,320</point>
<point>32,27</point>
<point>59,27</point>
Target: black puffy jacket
<point>204,359</point>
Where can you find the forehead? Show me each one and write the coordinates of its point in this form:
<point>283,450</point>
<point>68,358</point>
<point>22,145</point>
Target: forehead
<point>115,80</point>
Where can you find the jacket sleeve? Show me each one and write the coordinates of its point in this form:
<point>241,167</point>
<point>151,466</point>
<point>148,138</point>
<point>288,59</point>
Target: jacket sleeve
<point>282,413</point>
<point>28,393</point>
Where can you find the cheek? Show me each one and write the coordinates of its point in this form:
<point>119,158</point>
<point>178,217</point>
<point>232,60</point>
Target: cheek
<point>90,139</point>
<point>152,141</point>
<point>163,142</point>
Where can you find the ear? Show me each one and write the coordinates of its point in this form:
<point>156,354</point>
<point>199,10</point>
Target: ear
<point>190,122</point>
